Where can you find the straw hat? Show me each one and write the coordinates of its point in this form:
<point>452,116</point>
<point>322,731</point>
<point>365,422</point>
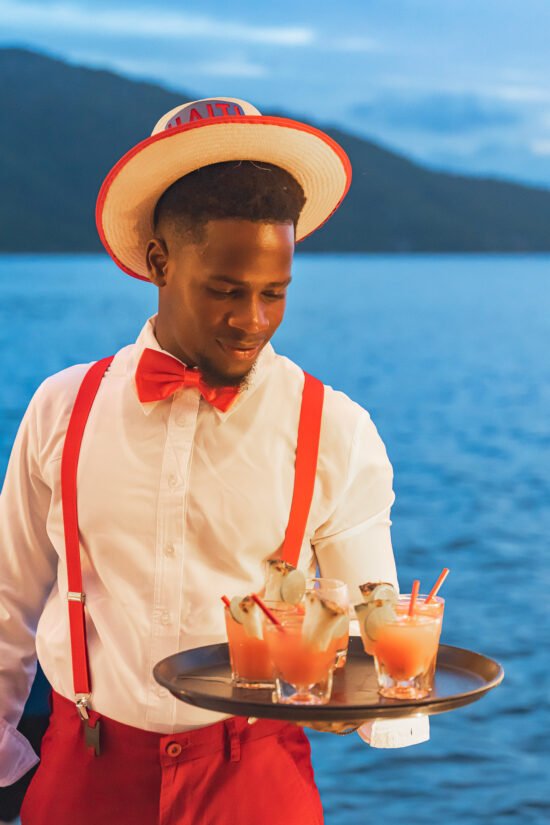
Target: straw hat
<point>210,131</point>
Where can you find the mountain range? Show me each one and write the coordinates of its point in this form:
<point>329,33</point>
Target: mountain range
<point>63,126</point>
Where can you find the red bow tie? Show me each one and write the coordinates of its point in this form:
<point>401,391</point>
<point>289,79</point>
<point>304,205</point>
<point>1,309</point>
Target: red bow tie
<point>159,375</point>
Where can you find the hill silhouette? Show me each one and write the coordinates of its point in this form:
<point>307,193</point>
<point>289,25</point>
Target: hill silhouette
<point>64,126</point>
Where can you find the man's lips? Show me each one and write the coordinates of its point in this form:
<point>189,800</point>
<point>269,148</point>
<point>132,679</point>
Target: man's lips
<point>244,352</point>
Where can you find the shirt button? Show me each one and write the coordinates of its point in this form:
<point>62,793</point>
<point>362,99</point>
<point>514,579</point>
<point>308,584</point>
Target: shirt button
<point>162,692</point>
<point>172,480</point>
<point>173,749</point>
<point>169,550</point>
<point>165,617</point>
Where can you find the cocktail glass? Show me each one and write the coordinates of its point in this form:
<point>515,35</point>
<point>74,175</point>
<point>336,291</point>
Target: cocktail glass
<point>405,649</point>
<point>251,665</point>
<point>303,672</point>
<point>336,591</point>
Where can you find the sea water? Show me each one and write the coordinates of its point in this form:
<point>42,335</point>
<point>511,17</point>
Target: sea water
<point>449,354</point>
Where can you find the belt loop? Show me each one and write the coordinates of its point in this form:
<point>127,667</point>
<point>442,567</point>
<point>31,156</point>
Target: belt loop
<point>234,740</point>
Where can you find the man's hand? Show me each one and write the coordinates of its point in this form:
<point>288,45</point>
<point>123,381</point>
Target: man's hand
<point>380,733</point>
<point>340,728</point>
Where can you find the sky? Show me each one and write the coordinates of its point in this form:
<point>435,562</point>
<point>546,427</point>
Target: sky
<point>460,85</point>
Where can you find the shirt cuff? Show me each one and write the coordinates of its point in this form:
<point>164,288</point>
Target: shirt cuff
<point>395,733</point>
<point>17,756</point>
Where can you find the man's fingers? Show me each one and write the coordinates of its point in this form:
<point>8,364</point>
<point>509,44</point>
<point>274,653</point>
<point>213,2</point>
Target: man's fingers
<point>341,728</point>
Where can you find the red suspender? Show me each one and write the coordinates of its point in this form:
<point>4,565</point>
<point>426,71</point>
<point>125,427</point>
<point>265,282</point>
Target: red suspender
<point>69,464</point>
<point>307,450</point>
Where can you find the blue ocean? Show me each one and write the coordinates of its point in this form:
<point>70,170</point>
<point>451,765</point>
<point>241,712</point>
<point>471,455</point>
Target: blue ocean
<point>450,356</point>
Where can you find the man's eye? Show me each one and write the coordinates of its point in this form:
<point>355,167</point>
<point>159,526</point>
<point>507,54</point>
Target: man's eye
<point>274,296</point>
<point>222,293</point>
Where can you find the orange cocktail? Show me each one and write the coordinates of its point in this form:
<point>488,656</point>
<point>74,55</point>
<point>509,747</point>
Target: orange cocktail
<point>303,670</point>
<point>342,649</point>
<point>250,659</point>
<point>336,591</point>
<point>341,643</point>
<point>434,607</point>
<point>405,649</point>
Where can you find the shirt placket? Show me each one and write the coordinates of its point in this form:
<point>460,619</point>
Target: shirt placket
<point>170,548</point>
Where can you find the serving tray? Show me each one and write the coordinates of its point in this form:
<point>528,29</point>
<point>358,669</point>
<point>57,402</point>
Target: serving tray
<point>202,677</point>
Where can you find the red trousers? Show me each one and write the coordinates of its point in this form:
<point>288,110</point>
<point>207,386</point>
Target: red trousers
<point>230,773</point>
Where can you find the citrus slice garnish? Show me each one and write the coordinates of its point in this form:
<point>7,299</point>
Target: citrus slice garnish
<point>236,610</point>
<point>376,618</point>
<point>383,592</point>
<point>293,587</point>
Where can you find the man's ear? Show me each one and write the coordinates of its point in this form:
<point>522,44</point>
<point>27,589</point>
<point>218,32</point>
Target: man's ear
<point>156,258</point>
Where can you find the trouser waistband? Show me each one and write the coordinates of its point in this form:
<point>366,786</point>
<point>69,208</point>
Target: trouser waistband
<point>173,747</point>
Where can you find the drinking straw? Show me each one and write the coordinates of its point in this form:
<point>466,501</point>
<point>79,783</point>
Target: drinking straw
<point>440,579</point>
<point>272,618</point>
<point>414,594</point>
<point>226,601</point>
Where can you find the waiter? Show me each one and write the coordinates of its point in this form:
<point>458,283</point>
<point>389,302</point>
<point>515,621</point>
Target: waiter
<point>164,477</point>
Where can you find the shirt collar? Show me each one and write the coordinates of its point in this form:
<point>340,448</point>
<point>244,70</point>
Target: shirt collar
<point>148,339</point>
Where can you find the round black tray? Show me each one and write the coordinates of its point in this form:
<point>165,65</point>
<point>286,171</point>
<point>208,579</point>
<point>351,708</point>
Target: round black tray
<point>202,677</point>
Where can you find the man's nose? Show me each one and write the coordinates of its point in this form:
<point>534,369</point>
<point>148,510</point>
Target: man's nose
<point>250,316</point>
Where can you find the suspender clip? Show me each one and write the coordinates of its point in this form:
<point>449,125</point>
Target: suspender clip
<point>91,736</point>
<point>82,702</point>
<point>91,731</point>
<point>76,597</point>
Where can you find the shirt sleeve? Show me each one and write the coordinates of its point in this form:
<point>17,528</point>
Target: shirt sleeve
<point>354,545</point>
<point>28,566</point>
<point>354,542</point>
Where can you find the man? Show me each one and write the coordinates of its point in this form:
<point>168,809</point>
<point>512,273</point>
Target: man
<point>181,487</point>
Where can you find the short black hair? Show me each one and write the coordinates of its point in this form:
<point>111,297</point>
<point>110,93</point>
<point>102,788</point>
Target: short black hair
<point>247,189</point>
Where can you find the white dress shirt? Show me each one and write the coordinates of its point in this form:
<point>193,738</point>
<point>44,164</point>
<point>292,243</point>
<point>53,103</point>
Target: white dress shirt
<point>179,503</point>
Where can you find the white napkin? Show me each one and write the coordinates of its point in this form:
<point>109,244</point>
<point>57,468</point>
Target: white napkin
<point>395,733</point>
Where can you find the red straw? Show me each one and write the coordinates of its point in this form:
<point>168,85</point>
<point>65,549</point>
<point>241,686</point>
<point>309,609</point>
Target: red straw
<point>266,610</point>
<point>226,601</point>
<point>414,594</point>
<point>440,579</point>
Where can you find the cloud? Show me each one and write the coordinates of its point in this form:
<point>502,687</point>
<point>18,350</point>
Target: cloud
<point>437,113</point>
<point>522,93</point>
<point>541,147</point>
<point>353,44</point>
<point>31,18</point>
<point>168,73</point>
<point>146,22</point>
<point>227,68</point>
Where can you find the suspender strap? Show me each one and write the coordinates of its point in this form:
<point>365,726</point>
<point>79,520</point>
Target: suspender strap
<point>69,465</point>
<point>307,450</point>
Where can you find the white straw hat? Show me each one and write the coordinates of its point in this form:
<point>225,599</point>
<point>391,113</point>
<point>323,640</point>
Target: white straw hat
<point>209,131</point>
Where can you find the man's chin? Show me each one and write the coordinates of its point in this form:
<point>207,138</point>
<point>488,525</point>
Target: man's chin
<point>215,376</point>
